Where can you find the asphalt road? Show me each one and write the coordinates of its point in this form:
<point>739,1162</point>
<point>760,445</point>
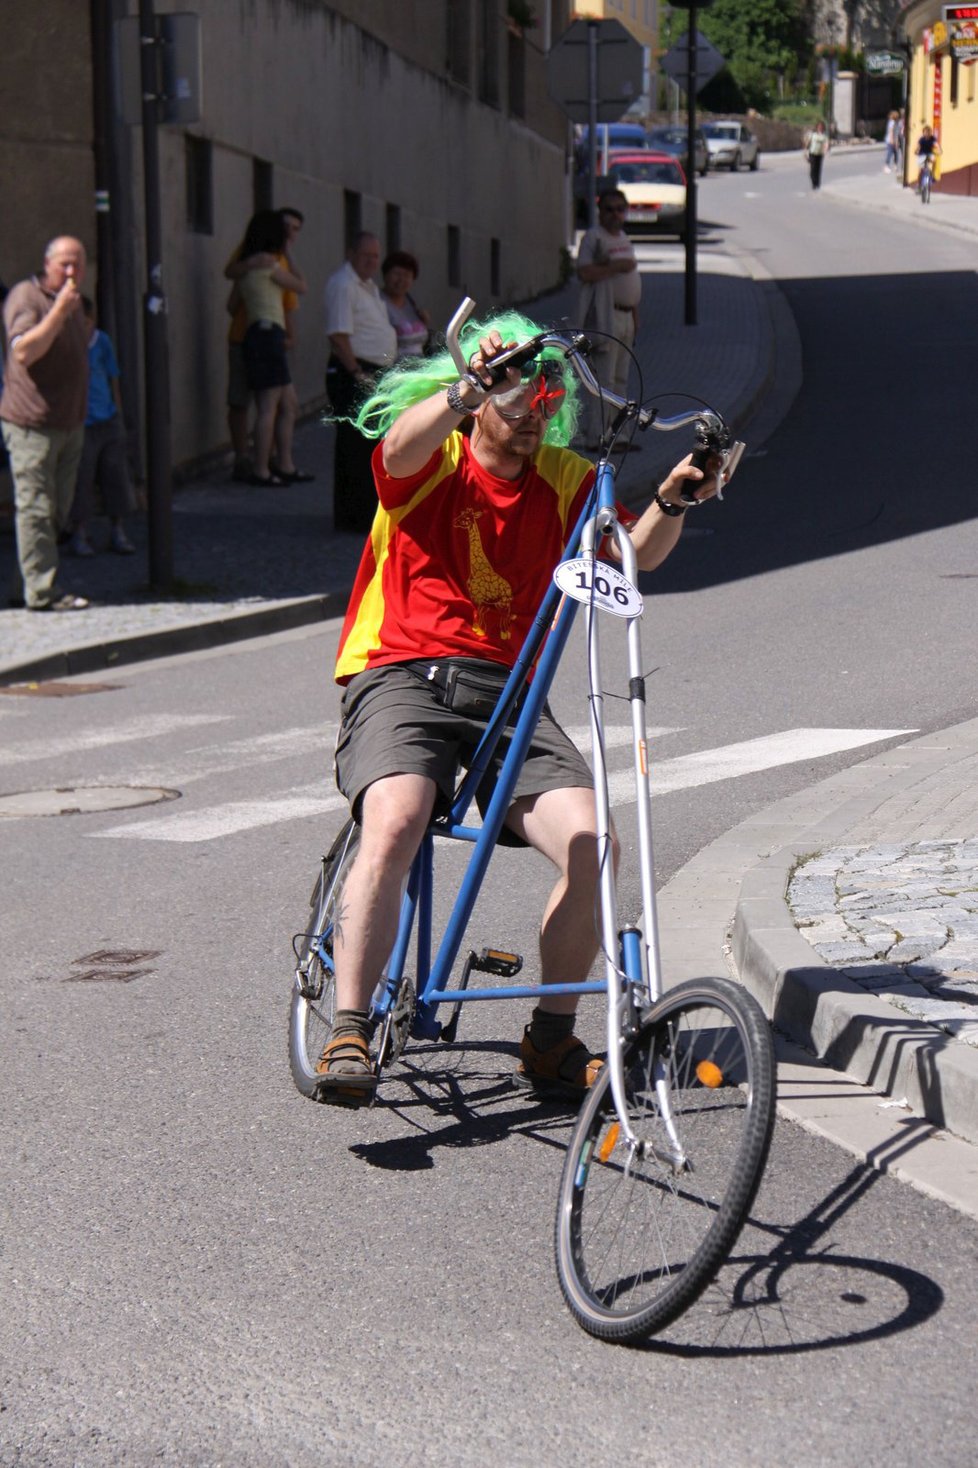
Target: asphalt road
<point>200,1268</point>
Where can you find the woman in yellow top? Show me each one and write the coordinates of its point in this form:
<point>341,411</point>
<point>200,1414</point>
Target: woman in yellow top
<point>260,290</point>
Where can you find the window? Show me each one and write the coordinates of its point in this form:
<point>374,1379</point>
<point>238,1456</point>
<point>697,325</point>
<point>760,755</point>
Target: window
<point>495,270</point>
<point>262,192</point>
<point>200,194</point>
<point>392,228</point>
<point>458,40</point>
<point>454,255</point>
<point>488,52</point>
<point>352,215</point>
<point>954,81</point>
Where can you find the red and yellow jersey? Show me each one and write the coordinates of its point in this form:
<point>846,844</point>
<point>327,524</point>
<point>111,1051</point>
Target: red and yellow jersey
<point>458,560</point>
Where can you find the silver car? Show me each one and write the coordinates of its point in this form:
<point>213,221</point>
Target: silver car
<point>731,145</point>
<point>675,140</point>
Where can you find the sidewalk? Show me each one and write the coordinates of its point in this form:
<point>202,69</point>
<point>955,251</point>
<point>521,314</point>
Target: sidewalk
<point>884,193</point>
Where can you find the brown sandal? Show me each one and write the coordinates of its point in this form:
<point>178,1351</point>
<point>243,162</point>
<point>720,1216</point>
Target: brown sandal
<point>346,1073</point>
<point>566,1069</point>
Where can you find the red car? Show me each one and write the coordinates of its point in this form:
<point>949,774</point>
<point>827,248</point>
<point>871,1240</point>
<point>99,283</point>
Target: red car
<point>654,186</point>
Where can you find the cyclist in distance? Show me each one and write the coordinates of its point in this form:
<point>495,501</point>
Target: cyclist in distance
<point>928,148</point>
<point>478,494</point>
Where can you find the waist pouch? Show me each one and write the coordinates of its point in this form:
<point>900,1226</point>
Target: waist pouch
<point>470,689</point>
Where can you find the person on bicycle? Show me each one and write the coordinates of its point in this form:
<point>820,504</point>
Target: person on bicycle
<point>478,494</point>
<point>928,148</point>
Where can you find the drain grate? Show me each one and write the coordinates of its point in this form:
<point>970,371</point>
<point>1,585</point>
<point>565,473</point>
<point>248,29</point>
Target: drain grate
<point>73,800</point>
<point>57,690</point>
<point>110,966</point>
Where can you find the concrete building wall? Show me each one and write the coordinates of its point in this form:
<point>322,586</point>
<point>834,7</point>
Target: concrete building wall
<point>337,108</point>
<point>46,131</point>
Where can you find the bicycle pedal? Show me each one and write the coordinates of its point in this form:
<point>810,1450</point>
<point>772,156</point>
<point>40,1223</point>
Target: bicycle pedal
<point>496,961</point>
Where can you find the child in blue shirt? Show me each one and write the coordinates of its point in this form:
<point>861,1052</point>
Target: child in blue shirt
<point>104,456</point>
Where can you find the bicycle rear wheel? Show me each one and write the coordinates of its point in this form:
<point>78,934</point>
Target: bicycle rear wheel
<point>641,1232</point>
<point>312,1010</point>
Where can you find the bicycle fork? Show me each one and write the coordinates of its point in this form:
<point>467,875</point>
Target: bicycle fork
<point>640,964</point>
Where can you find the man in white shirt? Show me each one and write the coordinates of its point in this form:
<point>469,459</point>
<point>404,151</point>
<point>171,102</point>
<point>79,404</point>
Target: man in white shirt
<point>610,297</point>
<point>362,343</point>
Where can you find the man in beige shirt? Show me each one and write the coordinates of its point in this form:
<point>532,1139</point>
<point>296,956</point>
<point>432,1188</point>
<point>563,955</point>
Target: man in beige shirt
<point>45,395</point>
<point>610,298</point>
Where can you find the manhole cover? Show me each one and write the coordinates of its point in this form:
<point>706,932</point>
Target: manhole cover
<point>82,799</point>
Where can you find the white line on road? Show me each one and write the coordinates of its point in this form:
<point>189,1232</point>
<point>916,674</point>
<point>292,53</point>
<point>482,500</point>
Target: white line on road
<point>747,758</point>
<point>240,754</point>
<point>703,768</point>
<point>149,726</point>
<point>234,816</point>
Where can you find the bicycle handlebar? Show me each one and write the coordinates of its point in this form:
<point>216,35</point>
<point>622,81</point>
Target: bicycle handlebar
<point>713,434</point>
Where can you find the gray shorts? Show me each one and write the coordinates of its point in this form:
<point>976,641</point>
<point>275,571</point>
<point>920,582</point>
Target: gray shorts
<point>392,723</point>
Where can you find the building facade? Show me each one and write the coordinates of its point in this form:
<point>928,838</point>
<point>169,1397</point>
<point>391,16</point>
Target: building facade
<point>944,88</point>
<point>427,122</point>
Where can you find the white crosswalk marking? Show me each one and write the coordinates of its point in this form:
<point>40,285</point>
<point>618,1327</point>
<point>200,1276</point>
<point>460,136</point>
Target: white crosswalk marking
<point>149,726</point>
<point>615,735</point>
<point>240,754</point>
<point>236,815</point>
<point>703,768</point>
<point>747,758</point>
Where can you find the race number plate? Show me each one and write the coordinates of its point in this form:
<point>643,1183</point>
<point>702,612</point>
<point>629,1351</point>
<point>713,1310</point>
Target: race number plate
<point>599,585</point>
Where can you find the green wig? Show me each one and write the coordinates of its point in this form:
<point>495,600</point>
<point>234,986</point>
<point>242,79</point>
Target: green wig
<point>413,379</point>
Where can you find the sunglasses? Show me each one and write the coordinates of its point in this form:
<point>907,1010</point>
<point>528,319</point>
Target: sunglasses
<point>542,389</point>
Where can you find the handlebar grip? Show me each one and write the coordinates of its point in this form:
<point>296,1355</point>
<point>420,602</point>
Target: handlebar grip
<point>699,459</point>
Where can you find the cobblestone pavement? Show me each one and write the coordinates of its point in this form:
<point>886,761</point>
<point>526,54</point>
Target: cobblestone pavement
<point>901,920</point>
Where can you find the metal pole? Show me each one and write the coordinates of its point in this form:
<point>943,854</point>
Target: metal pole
<point>691,170</point>
<point>158,474</point>
<point>592,123</point>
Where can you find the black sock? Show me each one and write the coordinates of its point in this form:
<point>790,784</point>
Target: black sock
<point>548,1029</point>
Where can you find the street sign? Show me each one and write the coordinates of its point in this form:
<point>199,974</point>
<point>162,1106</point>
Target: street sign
<point>675,63</point>
<point>884,63</point>
<point>178,68</point>
<point>619,70</point>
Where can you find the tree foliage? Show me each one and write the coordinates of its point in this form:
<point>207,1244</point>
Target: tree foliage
<point>759,39</point>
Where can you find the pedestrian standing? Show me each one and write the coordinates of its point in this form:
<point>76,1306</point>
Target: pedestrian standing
<point>45,395</point>
<point>891,139</point>
<point>818,146</point>
<point>609,300</point>
<point>105,458</point>
<point>362,343</point>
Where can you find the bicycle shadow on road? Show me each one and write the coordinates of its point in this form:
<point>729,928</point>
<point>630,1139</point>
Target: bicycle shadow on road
<point>457,1099</point>
<point>801,1295</point>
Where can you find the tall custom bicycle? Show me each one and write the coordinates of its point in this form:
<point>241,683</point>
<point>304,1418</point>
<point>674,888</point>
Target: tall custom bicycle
<point>670,1144</point>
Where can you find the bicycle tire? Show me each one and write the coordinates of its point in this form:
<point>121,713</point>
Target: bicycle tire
<point>636,1244</point>
<point>311,1017</point>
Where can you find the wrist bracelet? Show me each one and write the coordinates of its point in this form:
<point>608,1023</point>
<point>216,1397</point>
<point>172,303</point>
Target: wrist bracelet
<point>667,508</point>
<point>455,402</point>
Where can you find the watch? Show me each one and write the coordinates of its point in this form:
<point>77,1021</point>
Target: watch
<point>454,396</point>
<point>667,508</point>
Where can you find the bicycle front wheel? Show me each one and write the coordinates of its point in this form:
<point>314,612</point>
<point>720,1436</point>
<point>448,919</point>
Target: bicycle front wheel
<point>642,1229</point>
<point>313,1007</point>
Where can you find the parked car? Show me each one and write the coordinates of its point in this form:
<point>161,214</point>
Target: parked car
<point>621,135</point>
<point>731,145</point>
<point>675,140</point>
<point>654,186</point>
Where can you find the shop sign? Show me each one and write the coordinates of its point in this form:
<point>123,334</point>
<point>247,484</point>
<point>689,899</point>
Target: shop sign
<point>964,40</point>
<point>884,63</point>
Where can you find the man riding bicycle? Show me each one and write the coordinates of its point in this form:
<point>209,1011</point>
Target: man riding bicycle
<point>478,494</point>
<point>928,149</point>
